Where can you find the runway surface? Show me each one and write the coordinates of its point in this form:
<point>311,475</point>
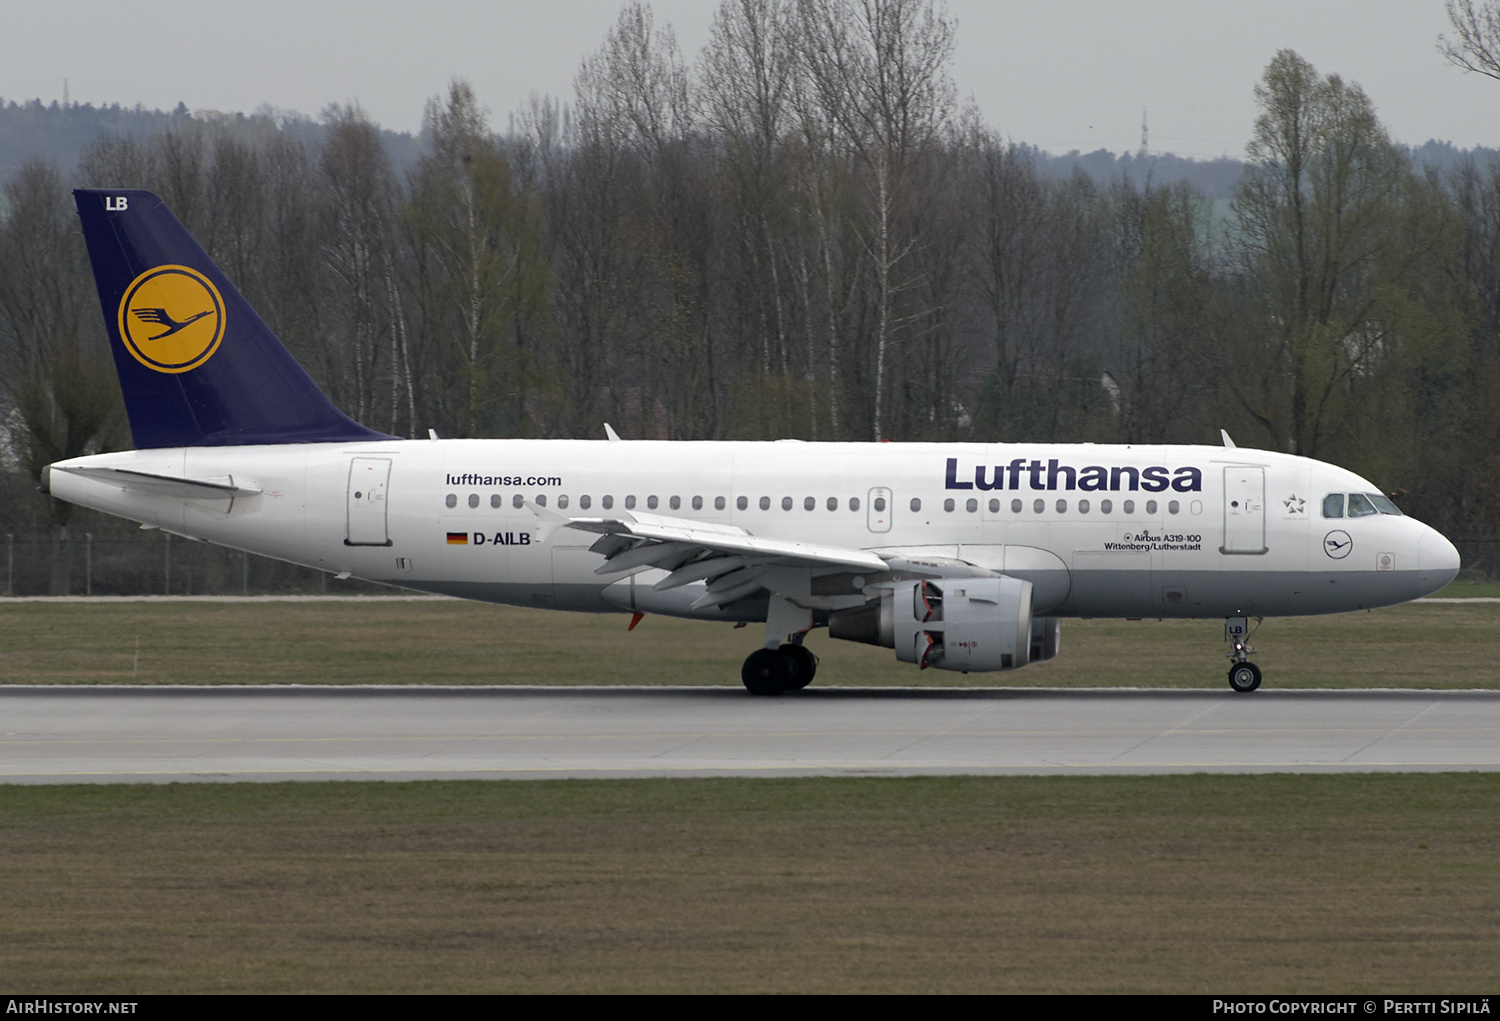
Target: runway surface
<point>131,735</point>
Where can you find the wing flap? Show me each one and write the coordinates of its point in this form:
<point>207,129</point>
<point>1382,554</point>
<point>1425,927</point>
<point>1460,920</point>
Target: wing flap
<point>726,539</point>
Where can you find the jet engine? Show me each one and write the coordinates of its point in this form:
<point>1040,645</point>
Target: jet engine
<point>958,624</point>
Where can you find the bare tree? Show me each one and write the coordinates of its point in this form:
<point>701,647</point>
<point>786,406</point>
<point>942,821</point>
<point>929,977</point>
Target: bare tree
<point>357,205</point>
<point>748,74</point>
<point>1038,251</point>
<point>877,70</point>
<point>1477,47</point>
<point>484,286</point>
<point>635,118</point>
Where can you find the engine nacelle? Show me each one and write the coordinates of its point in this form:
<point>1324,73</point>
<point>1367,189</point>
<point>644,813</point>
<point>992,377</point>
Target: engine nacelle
<point>1046,638</point>
<point>958,624</point>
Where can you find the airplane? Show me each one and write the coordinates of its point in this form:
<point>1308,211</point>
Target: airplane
<point>956,556</point>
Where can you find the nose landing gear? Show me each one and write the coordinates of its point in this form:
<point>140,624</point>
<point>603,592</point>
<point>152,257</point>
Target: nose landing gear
<point>1244,676</point>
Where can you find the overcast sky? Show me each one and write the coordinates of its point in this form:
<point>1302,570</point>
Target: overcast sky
<point>1059,75</point>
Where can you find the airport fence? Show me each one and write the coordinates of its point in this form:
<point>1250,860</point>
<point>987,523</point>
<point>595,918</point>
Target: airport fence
<point>150,563</point>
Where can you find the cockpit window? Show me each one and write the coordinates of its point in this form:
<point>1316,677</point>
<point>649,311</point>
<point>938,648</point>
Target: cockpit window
<point>1333,505</point>
<point>1383,504</point>
<point>1360,506</point>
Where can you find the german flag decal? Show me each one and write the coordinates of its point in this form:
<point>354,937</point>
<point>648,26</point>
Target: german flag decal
<point>458,538</point>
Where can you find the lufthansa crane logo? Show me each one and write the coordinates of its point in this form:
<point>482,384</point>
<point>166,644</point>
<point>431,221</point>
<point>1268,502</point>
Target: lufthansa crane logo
<point>1337,544</point>
<point>171,319</point>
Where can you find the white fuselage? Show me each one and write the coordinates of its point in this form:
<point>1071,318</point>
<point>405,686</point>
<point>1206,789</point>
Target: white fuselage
<point>1123,531</point>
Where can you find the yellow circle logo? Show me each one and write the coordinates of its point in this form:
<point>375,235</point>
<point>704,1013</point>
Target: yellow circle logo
<point>171,319</point>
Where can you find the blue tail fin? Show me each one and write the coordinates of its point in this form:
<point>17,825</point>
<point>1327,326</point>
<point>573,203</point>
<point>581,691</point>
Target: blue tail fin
<point>196,364</point>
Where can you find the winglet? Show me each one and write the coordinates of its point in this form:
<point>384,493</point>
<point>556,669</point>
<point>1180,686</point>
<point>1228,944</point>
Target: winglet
<point>610,434</point>
<point>1227,441</point>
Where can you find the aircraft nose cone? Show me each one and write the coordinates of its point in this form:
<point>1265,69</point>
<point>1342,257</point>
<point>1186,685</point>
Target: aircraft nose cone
<point>1437,562</point>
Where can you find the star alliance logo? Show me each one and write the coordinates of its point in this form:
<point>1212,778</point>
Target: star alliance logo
<point>1294,504</point>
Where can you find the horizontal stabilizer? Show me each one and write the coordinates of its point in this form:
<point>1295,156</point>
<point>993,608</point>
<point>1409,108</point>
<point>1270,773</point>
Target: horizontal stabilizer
<point>166,485</point>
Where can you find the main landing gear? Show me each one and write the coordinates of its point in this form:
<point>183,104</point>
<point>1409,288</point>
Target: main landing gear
<point>1244,676</point>
<point>772,671</point>
<point>784,664</point>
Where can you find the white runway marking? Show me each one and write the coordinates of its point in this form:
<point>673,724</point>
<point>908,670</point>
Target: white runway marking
<point>173,734</point>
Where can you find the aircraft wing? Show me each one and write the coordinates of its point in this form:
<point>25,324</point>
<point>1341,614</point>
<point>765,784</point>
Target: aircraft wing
<point>728,558</point>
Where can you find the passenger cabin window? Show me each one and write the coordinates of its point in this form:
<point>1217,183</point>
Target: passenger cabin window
<point>810,503</point>
<point>651,502</point>
<point>1105,506</point>
<point>698,503</point>
<point>971,505</point>
<point>562,502</point>
<point>473,500</point>
<point>718,503</point>
<point>742,502</point>
<point>833,503</point>
<point>765,503</point>
<point>518,501</point>
<point>1333,505</point>
<point>854,503</point>
<point>675,503</point>
<point>583,503</point>
<point>452,500</point>
<point>608,502</point>
<point>495,501</point>
<point>880,503</point>
<point>916,504</point>
<point>630,503</point>
<point>948,505</point>
<point>786,503</point>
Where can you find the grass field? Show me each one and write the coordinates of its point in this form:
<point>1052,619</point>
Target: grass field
<point>1342,883</point>
<point>1470,590</point>
<point>384,641</point>
<point>1207,884</point>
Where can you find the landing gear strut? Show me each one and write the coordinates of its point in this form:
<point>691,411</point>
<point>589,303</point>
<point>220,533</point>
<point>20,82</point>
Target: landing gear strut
<point>1244,676</point>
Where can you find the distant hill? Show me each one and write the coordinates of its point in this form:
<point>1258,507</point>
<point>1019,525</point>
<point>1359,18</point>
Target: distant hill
<point>59,134</point>
<point>1215,178</point>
